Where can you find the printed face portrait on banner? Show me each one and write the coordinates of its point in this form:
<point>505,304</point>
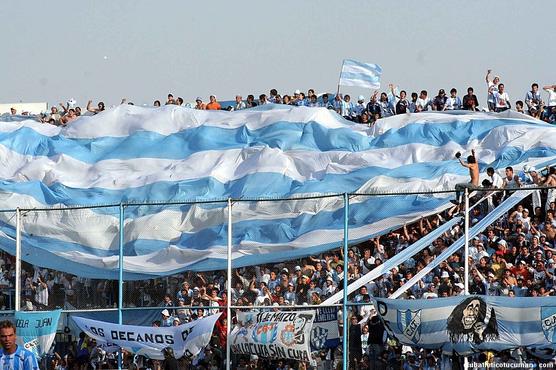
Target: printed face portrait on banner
<point>472,320</point>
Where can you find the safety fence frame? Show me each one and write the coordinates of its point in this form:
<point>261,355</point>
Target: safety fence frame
<point>345,305</point>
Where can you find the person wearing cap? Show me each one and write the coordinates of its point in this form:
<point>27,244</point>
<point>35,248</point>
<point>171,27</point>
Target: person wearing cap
<point>446,285</point>
<point>458,289</point>
<point>521,270</point>
<point>359,107</point>
<point>289,294</point>
<point>167,319</point>
<point>199,104</point>
<point>329,288</point>
<point>439,101</point>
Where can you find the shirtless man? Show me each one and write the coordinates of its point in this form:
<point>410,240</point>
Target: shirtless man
<point>472,165</point>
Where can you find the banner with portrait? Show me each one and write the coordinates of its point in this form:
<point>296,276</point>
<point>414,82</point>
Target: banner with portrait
<point>274,334</point>
<point>467,324</point>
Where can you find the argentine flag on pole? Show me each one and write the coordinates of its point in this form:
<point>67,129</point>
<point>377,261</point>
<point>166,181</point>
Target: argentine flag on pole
<point>355,73</point>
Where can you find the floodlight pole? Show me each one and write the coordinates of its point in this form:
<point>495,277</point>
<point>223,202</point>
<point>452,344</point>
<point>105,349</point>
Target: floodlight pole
<point>17,259</point>
<point>229,287</point>
<point>344,304</point>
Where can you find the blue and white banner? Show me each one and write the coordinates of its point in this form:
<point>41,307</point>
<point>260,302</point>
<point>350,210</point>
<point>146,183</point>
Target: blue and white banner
<point>36,330</point>
<point>359,74</point>
<point>171,153</point>
<point>186,340</point>
<point>274,334</point>
<point>325,333</point>
<point>467,324</point>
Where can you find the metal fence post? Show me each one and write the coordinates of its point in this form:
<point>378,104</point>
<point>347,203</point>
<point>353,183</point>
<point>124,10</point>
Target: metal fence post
<point>121,276</point>
<point>229,286</point>
<point>17,300</point>
<point>344,305</point>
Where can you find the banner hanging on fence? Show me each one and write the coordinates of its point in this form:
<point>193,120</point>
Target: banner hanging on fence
<point>467,324</point>
<point>36,330</point>
<point>324,333</point>
<point>187,339</point>
<point>277,334</point>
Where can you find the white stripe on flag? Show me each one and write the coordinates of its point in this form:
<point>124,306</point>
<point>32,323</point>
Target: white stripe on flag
<point>360,74</point>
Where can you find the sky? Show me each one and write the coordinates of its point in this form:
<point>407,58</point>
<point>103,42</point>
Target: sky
<point>108,50</point>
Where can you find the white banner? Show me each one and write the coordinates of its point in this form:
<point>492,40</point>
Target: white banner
<point>187,339</point>
<point>276,334</point>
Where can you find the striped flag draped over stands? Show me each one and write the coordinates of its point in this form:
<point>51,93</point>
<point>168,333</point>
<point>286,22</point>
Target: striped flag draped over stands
<point>171,153</point>
<point>359,74</point>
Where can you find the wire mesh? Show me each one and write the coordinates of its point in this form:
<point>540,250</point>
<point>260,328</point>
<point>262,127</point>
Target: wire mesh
<point>60,250</point>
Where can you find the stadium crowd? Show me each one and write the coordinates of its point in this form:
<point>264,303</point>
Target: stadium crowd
<point>513,257</point>
<point>387,103</point>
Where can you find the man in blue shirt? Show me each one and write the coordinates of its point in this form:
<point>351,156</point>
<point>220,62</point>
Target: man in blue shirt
<point>13,356</point>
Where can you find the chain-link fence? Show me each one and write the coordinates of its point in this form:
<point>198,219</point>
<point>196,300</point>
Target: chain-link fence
<point>287,254</point>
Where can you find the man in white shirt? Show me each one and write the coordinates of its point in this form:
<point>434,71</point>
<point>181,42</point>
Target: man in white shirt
<point>496,180</point>
<point>492,87</point>
<point>501,99</point>
<point>423,102</point>
<point>551,90</point>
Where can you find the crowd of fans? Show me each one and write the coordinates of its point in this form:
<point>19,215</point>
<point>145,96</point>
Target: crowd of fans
<point>514,257</point>
<point>387,103</point>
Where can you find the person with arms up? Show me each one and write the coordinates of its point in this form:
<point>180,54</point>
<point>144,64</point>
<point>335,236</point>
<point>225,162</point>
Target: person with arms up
<point>13,356</point>
<point>473,166</point>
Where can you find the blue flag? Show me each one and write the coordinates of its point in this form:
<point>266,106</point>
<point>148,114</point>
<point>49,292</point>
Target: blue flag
<point>36,330</point>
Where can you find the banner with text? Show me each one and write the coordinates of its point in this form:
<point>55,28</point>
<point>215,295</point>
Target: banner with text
<point>186,340</point>
<point>275,334</point>
<point>36,330</point>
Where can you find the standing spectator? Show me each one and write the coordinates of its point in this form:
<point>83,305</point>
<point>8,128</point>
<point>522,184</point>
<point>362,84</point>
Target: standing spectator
<point>213,104</point>
<point>501,99</point>
<point>240,104</point>
<point>423,102</point>
<point>470,101</point>
<point>533,99</point>
<point>402,106</point>
<point>98,109</point>
<point>439,101</point>
<point>354,341</point>
<point>454,101</point>
<point>386,106</point>
<point>492,87</point>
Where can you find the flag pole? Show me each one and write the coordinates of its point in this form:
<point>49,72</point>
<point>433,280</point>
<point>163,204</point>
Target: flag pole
<point>340,77</point>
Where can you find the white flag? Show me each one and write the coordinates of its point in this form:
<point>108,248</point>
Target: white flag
<point>355,73</point>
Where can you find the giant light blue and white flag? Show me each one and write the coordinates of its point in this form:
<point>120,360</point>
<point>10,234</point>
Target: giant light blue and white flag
<point>136,154</point>
<point>36,330</point>
<point>360,74</point>
<point>467,324</point>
